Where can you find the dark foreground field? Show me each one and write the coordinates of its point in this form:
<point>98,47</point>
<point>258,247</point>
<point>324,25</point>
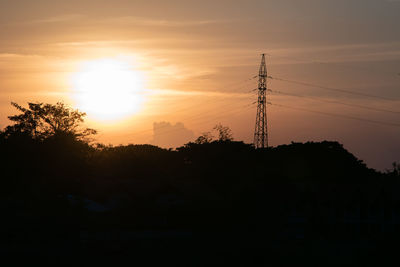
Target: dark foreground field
<point>216,203</point>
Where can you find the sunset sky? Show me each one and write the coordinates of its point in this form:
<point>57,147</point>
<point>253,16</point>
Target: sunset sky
<point>179,67</point>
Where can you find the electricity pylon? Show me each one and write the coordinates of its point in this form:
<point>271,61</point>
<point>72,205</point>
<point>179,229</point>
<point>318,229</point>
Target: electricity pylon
<point>260,132</point>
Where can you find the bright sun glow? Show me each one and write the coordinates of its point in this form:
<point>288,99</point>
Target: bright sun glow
<point>108,89</point>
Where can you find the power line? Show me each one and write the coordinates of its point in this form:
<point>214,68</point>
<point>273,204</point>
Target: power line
<point>240,89</point>
<point>337,115</point>
<point>363,68</point>
<point>331,88</point>
<point>336,102</point>
<point>235,89</point>
<point>198,117</point>
<point>228,113</point>
<point>201,104</point>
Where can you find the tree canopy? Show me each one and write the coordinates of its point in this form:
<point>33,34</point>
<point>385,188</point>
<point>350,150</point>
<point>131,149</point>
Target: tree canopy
<point>224,134</point>
<point>41,121</point>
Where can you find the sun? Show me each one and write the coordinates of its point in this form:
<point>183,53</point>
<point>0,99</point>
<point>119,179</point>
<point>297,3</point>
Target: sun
<point>108,89</point>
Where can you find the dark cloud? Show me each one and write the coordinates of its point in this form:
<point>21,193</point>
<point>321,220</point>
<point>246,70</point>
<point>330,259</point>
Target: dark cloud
<point>167,135</point>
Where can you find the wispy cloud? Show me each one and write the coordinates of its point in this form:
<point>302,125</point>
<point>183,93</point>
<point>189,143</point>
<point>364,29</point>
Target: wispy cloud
<point>173,92</point>
<point>55,19</point>
<point>340,53</point>
<point>126,20</point>
<point>161,22</point>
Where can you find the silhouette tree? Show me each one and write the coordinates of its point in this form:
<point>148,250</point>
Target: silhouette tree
<point>204,138</point>
<point>224,132</point>
<point>396,169</point>
<point>41,121</point>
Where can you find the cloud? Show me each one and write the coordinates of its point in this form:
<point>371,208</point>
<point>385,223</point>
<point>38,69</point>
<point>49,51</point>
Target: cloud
<point>160,22</point>
<point>125,20</point>
<point>62,18</point>
<point>340,53</point>
<point>168,135</point>
<point>172,92</point>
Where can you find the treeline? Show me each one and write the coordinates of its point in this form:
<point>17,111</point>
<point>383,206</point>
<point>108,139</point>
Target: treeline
<point>57,185</point>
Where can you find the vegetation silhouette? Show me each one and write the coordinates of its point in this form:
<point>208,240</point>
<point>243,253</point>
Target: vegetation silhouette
<point>41,121</point>
<point>219,201</point>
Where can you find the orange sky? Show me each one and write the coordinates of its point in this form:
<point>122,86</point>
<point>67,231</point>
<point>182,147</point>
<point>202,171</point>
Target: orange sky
<point>197,60</point>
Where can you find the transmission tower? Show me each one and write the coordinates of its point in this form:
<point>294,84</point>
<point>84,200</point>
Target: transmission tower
<point>260,132</point>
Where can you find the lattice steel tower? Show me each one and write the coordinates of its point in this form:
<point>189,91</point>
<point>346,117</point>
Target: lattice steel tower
<point>260,132</point>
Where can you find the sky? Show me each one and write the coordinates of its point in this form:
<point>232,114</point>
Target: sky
<point>335,68</point>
